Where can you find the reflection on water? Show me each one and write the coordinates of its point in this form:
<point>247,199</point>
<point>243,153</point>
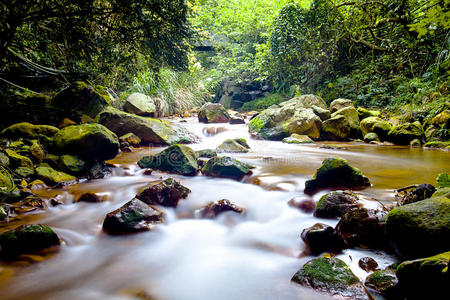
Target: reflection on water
<point>232,257</point>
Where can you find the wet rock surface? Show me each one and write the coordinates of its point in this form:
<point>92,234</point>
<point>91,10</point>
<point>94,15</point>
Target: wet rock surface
<point>226,167</point>
<point>214,209</point>
<point>322,238</point>
<point>335,204</point>
<point>165,193</point>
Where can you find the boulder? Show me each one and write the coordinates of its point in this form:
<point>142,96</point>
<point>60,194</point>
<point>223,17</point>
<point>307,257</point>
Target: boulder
<point>425,278</point>
<point>29,131</point>
<point>237,120</point>
<point>322,238</point>
<point>371,137</point>
<point>322,113</point>
<point>416,143</point>
<point>165,193</point>
<point>213,113</point>
<point>140,104</point>
<point>306,101</point>
<point>365,113</point>
<point>89,141</point>
<point>351,115</point>
<point>335,204</point>
<point>149,130</point>
<point>17,160</point>
<point>27,239</point>
<point>438,145</point>
<point>36,151</point>
<point>177,158</point>
<point>89,198</point>
<point>420,229</point>
<point>72,164</point>
<point>305,205</point>
<point>51,176</point>
<point>376,125</point>
<point>134,216</point>
<point>332,276</point>
<point>363,227</point>
<point>298,139</point>
<point>131,139</point>
<point>336,128</point>
<point>336,173</point>
<point>226,167</point>
<point>206,153</point>
<point>24,172</point>
<point>214,209</point>
<point>340,103</point>
<point>384,283</point>
<point>368,264</point>
<point>442,120</point>
<point>403,134</point>
<point>81,99</point>
<point>232,146</point>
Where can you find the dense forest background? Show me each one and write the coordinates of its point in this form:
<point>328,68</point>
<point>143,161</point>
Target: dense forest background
<point>247,54</point>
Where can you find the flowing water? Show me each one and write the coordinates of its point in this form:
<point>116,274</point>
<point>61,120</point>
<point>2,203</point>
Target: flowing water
<point>232,257</point>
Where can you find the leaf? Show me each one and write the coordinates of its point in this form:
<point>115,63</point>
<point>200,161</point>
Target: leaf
<point>443,180</point>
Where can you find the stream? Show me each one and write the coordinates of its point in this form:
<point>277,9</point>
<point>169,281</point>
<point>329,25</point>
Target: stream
<point>250,256</point>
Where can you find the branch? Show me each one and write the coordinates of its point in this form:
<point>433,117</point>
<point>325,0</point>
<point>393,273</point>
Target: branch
<point>368,44</point>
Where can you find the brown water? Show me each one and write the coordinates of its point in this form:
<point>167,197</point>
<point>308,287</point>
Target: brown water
<point>232,257</point>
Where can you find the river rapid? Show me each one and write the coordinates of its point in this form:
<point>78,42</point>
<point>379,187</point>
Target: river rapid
<point>252,256</point>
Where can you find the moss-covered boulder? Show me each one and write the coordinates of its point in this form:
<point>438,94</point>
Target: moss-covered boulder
<point>213,113</point>
<point>384,283</point>
<point>177,158</point>
<point>442,192</point>
<point>336,173</point>
<point>351,114</point>
<point>335,204</point>
<point>371,137</point>
<point>442,120</point>
<point>24,172</point>
<point>165,193</point>
<point>376,125</point>
<point>425,278</point>
<point>416,143</point>
<point>206,153</point>
<point>340,103</point>
<point>27,239</point>
<point>140,104</point>
<point>437,145</point>
<point>72,164</point>
<point>332,276</point>
<point>134,216</point>
<point>131,139</point>
<point>420,229</point>
<point>403,134</point>
<point>365,113</point>
<point>322,238</point>
<point>149,130</point>
<point>307,101</point>
<point>29,131</point>
<point>81,99</point>
<point>226,167</point>
<point>336,128</point>
<point>233,146</point>
<point>17,160</point>
<point>213,209</point>
<point>51,176</point>
<point>298,139</point>
<point>88,141</point>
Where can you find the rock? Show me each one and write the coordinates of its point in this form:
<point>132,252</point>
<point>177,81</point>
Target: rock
<point>322,113</point>
<point>52,160</point>
<point>336,128</point>
<point>81,99</point>
<point>336,173</point>
<point>363,227</point>
<point>89,141</point>
<point>231,146</point>
<point>165,193</point>
<point>365,113</point>
<point>322,238</point>
<point>335,204</point>
<point>207,153</point>
<point>177,158</point>
<point>214,209</point>
<point>98,170</point>
<point>370,137</point>
<point>226,167</point>
<point>443,180</point>
<point>36,151</point>
<point>37,184</point>
<point>66,122</point>
<point>140,104</point>
<point>307,101</point>
<point>27,239</point>
<point>29,131</point>
<point>72,165</point>
<point>213,113</point>
<point>303,122</point>
<point>4,159</point>
<point>149,130</point>
<point>442,192</point>
<point>298,139</point>
<point>416,143</point>
<point>242,142</point>
<point>425,278</point>
<point>24,171</point>
<point>330,275</point>
<point>17,160</point>
<point>376,125</point>
<point>351,115</point>
<point>237,120</point>
<point>442,120</point>
<point>437,144</point>
<point>131,139</point>
<point>90,198</point>
<point>305,205</point>
<point>384,283</point>
<point>420,229</point>
<point>52,177</point>
<point>368,264</point>
<point>340,103</point>
<point>421,192</point>
<point>403,134</point>
<point>134,216</point>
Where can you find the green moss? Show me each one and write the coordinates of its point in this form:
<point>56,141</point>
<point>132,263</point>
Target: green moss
<point>437,144</point>
<point>443,180</point>
<point>365,113</point>
<point>71,164</point>
<point>208,153</point>
<point>298,139</point>
<point>382,281</point>
<point>18,160</point>
<point>51,176</point>
<point>29,131</point>
<point>232,146</point>
<point>262,103</point>
<point>226,167</point>
<point>257,123</point>
<point>403,134</point>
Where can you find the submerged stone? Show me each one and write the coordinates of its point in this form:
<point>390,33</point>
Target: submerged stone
<point>298,139</point>
<point>385,283</point>
<point>214,209</point>
<point>164,193</point>
<point>226,167</point>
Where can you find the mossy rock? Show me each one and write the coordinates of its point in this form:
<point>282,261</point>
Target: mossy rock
<point>51,176</point>
<point>258,122</point>
<point>52,160</point>
<point>332,276</point>
<point>376,125</point>
<point>340,103</point>
<point>322,113</point>
<point>24,171</point>
<point>29,131</point>
<point>442,192</point>
<point>213,113</point>
<point>336,128</point>
<point>443,180</point>
<point>442,120</point>
<point>4,159</point>
<point>165,193</point>
<point>37,151</point>
<point>131,139</point>
<point>371,137</point>
<point>307,101</point>
<point>383,282</point>
<point>177,158</point>
<point>351,114</point>
<point>149,130</point>
<point>437,144</point>
<point>298,139</point>
<point>226,167</point>
<point>365,113</point>
<point>18,160</point>
<point>403,134</point>
<point>336,173</point>
<point>416,143</point>
<point>420,229</point>
<point>80,99</point>
<point>140,104</point>
<point>322,237</point>
<point>425,278</point>
<point>206,153</point>
<point>335,204</point>
<point>72,164</point>
<point>88,141</point>
<point>232,146</point>
<point>27,239</point>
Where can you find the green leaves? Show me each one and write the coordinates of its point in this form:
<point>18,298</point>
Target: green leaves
<point>443,180</point>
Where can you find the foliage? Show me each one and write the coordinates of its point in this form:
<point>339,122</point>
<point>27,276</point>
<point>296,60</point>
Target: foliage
<point>443,180</point>
<point>263,103</point>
